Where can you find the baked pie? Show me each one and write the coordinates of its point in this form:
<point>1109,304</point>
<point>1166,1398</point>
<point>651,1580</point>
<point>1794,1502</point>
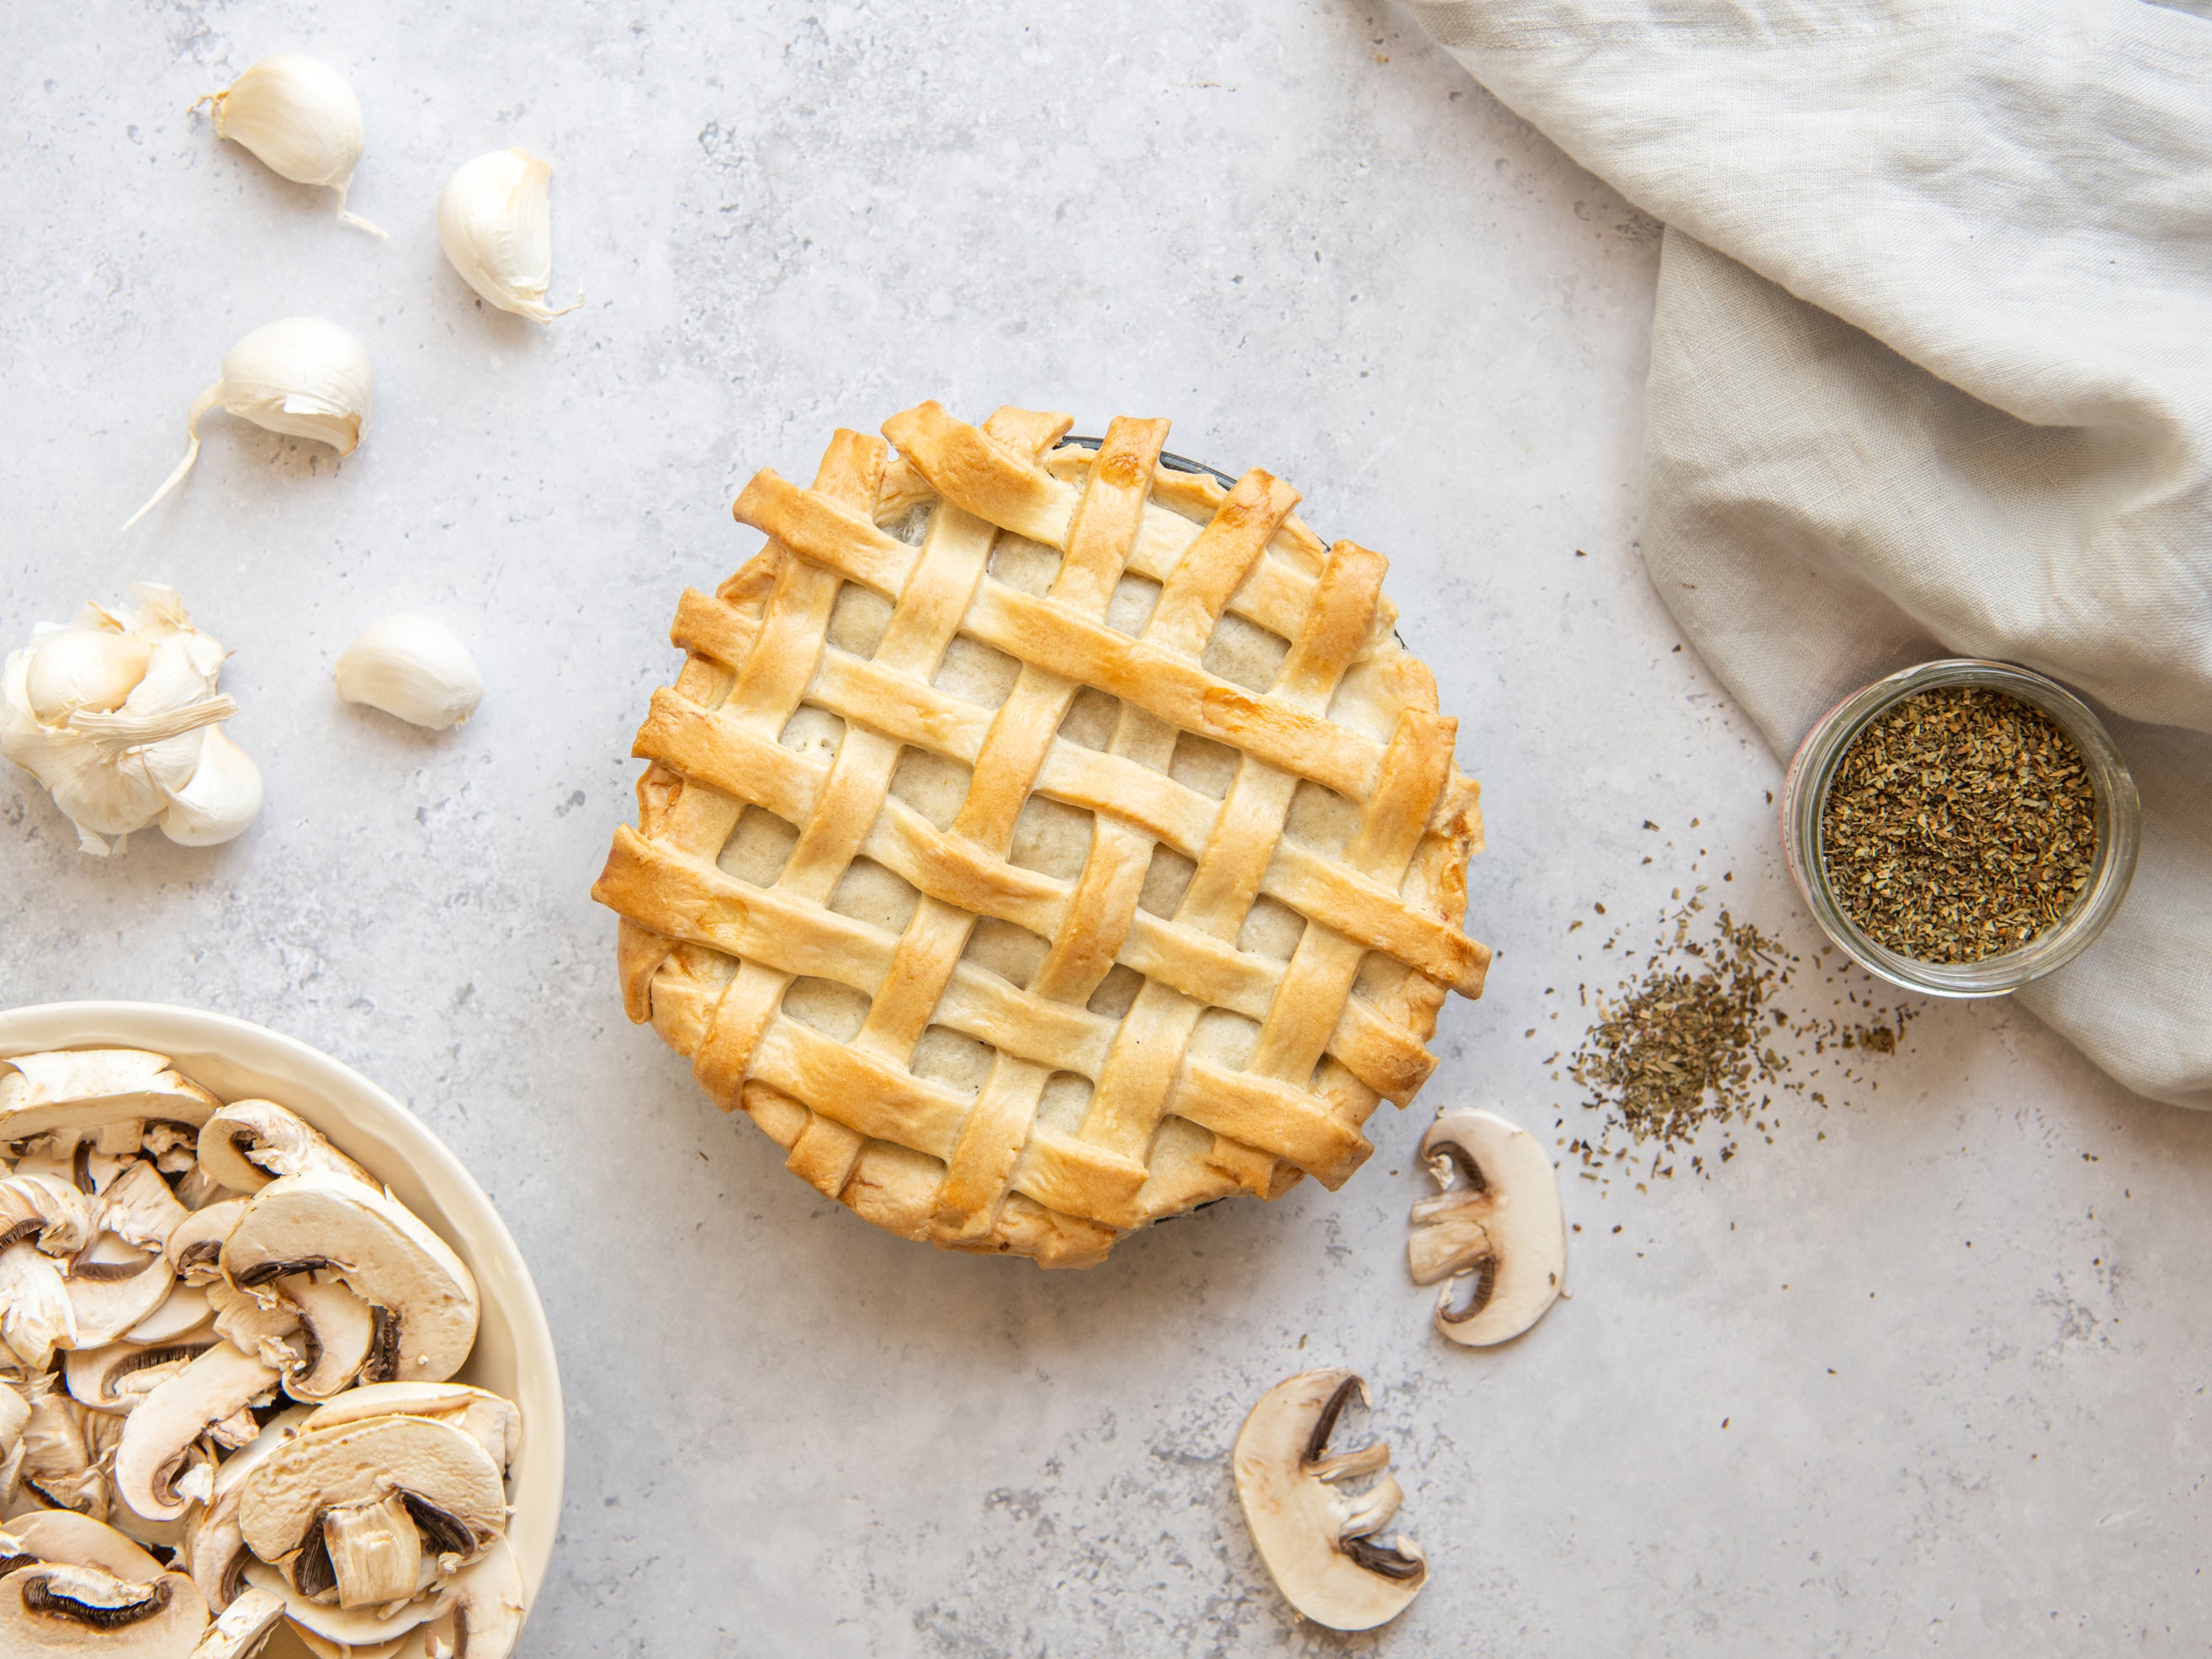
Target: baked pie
<point>1043,838</point>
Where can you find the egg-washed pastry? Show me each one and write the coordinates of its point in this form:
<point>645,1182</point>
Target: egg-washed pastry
<point>1042,839</point>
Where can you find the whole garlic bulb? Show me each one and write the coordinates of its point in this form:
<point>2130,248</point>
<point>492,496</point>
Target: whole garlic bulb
<point>117,715</point>
<point>414,667</point>
<point>303,377</point>
<point>299,116</point>
<point>494,222</point>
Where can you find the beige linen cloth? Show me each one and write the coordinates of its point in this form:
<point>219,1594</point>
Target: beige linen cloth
<point>1931,374</point>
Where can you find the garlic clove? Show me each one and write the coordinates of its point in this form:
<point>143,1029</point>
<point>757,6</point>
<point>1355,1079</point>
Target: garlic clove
<point>299,116</point>
<point>414,667</point>
<point>494,222</point>
<point>221,798</point>
<point>303,377</point>
<point>83,668</point>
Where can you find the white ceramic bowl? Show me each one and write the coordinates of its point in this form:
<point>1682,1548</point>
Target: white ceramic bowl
<point>513,1354</point>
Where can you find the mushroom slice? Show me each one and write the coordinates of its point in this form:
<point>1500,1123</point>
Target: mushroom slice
<point>64,1450</point>
<point>336,1330</point>
<point>35,1315</point>
<point>249,1143</point>
<point>352,1632</point>
<point>157,1435</point>
<point>488,1610</point>
<point>50,1609</point>
<point>376,1479</point>
<point>182,1312</point>
<point>1501,1226</point>
<point>385,1256</point>
<point>15,1412</point>
<point>138,1207</point>
<point>117,1378</point>
<point>80,1090</point>
<point>46,1210</point>
<point>214,1549</point>
<point>195,1248</point>
<point>69,1540</point>
<point>240,1629</point>
<point>111,1286</point>
<point>269,1330</point>
<point>1317,1540</point>
<point>490,1419</point>
<point>323,1648</point>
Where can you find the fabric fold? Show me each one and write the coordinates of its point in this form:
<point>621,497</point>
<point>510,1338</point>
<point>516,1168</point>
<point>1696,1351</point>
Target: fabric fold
<point>1931,373</point>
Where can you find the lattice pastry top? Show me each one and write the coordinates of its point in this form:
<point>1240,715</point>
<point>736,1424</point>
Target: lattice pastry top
<point>1039,840</point>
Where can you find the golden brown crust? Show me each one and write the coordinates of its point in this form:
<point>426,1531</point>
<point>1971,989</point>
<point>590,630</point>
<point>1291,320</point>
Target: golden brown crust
<point>1235,1064</point>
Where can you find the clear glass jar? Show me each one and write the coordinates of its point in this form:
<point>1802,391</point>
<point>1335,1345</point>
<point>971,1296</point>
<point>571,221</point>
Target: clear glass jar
<point>2118,818</point>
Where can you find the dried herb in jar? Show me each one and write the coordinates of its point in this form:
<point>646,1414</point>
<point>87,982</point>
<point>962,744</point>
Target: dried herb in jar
<point>1960,824</point>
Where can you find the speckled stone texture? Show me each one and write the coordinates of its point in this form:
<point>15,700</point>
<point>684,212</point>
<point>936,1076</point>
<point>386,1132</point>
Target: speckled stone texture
<point>1934,1382</point>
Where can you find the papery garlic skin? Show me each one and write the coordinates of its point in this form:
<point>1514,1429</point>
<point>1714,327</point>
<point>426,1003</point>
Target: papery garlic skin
<point>494,222</point>
<point>303,377</point>
<point>414,667</point>
<point>299,116</point>
<point>154,752</point>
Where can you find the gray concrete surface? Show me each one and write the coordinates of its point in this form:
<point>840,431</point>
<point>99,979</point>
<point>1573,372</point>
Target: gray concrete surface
<point>1926,1373</point>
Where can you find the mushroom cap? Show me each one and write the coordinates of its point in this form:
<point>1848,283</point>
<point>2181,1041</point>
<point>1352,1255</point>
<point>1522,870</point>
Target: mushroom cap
<point>162,1428</point>
<point>1316,1539</point>
<point>81,1090</point>
<point>386,1256</point>
<point>249,1143</point>
<point>489,1418</point>
<point>1505,1225</point>
<point>51,1610</point>
<point>195,1248</point>
<point>439,1466</point>
<point>71,1540</point>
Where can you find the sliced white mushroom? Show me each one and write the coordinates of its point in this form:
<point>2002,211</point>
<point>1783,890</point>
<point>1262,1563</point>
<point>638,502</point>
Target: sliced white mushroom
<point>269,1330</point>
<point>158,1434</point>
<point>387,1489</point>
<point>240,1629</point>
<point>355,1632</point>
<point>384,1256</point>
<point>336,1330</point>
<point>488,1609</point>
<point>1500,1228</point>
<point>44,1210</point>
<point>249,1143</point>
<point>51,1610</point>
<point>80,1090</point>
<point>71,1540</point>
<point>490,1419</point>
<point>195,1248</point>
<point>35,1315</point>
<point>184,1310</point>
<point>399,1647</point>
<point>214,1549</point>
<point>15,1412</point>
<point>139,1207</point>
<point>111,1286</point>
<point>66,1449</point>
<point>1317,1540</point>
<point>115,1378</point>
